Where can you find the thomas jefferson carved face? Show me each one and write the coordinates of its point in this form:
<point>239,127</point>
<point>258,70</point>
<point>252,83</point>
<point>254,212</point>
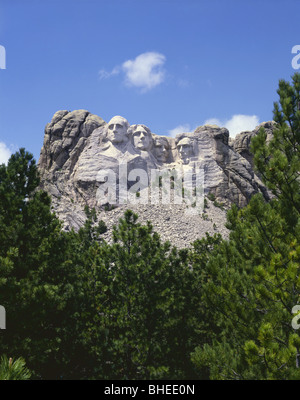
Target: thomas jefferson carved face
<point>185,149</point>
<point>142,138</point>
<point>161,149</point>
<point>117,130</point>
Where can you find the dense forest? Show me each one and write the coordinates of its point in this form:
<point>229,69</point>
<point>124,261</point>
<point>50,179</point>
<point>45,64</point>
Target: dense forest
<point>139,308</point>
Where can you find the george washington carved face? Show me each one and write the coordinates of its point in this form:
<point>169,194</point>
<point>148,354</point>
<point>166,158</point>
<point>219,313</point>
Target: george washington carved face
<point>117,130</point>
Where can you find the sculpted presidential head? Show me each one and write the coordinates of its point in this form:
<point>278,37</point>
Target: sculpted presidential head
<point>141,137</point>
<point>117,130</point>
<point>185,149</point>
<point>161,149</point>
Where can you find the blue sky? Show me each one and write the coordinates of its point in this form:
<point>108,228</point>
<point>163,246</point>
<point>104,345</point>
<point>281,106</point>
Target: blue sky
<point>169,64</point>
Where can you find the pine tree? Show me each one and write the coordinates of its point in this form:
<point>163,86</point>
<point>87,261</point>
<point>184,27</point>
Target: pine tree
<point>254,277</point>
<point>42,270</point>
<point>145,312</point>
<point>13,369</point>
<point>278,161</point>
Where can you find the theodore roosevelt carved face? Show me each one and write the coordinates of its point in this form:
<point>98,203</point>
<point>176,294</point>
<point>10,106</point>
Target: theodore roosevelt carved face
<point>161,149</point>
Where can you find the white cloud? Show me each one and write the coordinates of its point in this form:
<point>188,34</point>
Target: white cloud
<point>5,153</point>
<point>213,121</point>
<point>236,124</point>
<point>145,71</point>
<point>179,129</point>
<point>103,74</point>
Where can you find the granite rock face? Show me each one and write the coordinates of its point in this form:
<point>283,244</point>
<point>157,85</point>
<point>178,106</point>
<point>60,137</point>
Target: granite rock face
<point>242,141</point>
<point>80,150</point>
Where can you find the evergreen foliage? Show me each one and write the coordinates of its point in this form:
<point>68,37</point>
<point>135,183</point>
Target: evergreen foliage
<point>254,280</point>
<point>144,306</point>
<point>13,370</point>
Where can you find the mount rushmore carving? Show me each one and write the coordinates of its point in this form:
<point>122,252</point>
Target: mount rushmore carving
<point>78,144</point>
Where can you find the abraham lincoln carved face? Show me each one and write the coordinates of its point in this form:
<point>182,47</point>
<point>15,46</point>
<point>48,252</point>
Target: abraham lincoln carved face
<point>185,149</point>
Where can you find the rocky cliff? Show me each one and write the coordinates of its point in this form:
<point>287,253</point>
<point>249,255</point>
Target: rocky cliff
<point>86,161</point>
